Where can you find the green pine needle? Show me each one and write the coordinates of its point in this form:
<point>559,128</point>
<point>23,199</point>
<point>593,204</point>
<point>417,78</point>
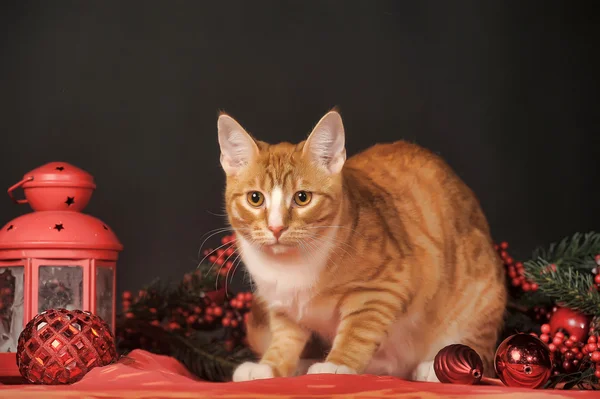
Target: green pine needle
<point>202,354</point>
<point>583,380</point>
<point>565,285</point>
<point>577,251</point>
<point>563,272</point>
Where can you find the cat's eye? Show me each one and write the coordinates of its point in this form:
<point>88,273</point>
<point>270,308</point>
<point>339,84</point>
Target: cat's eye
<point>255,198</point>
<point>302,198</point>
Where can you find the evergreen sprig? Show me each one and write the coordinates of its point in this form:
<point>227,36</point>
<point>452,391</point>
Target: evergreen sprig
<point>577,251</point>
<point>583,379</point>
<point>595,325</point>
<point>202,354</point>
<point>565,284</point>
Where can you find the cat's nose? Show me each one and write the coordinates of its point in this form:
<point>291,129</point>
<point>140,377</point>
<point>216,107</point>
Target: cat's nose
<point>277,230</point>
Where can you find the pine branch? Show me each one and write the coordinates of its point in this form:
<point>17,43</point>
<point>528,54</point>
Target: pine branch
<point>202,353</point>
<point>531,299</point>
<point>565,284</point>
<point>595,326</point>
<point>577,251</point>
<point>583,379</point>
<point>208,359</point>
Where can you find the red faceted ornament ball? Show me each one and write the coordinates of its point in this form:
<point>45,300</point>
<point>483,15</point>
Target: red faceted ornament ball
<point>573,323</point>
<point>523,360</point>
<point>60,346</point>
<point>458,364</point>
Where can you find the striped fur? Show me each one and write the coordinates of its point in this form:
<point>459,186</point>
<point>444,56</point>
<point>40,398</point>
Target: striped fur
<point>390,261</point>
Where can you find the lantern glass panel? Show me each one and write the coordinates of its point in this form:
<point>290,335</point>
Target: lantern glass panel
<point>11,307</point>
<point>60,287</point>
<point>104,293</point>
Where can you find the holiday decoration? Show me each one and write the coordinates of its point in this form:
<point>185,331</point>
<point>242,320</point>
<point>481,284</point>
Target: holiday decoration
<point>575,324</point>
<point>458,364</point>
<point>59,346</point>
<point>201,322</point>
<point>54,257</point>
<point>564,275</point>
<point>522,360</point>
<point>198,321</point>
<point>564,272</point>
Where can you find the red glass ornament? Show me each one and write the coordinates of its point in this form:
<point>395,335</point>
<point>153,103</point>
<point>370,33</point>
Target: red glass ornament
<point>575,324</point>
<point>523,360</point>
<point>59,346</point>
<point>56,256</point>
<point>458,364</point>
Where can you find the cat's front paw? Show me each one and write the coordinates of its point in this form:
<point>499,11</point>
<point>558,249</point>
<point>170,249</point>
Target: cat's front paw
<point>329,368</point>
<point>249,371</point>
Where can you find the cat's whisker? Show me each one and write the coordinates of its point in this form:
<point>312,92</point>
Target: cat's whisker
<point>219,272</point>
<point>212,233</point>
<point>237,251</point>
<point>215,232</point>
<point>315,240</point>
<point>220,267</point>
<point>315,249</point>
<point>235,266</point>
<point>213,251</point>
<point>217,214</point>
<point>217,279</point>
<point>306,252</point>
<point>219,229</point>
<point>333,251</point>
<point>338,226</point>
<point>333,240</point>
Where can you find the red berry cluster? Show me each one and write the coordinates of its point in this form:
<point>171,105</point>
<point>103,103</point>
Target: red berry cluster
<point>198,303</point>
<point>211,312</point>
<point>236,316</point>
<point>570,353</point>
<point>222,256</point>
<point>7,295</point>
<point>596,272</point>
<point>592,349</point>
<point>567,350</point>
<point>514,270</point>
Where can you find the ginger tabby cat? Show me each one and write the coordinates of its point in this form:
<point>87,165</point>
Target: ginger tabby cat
<point>370,264</point>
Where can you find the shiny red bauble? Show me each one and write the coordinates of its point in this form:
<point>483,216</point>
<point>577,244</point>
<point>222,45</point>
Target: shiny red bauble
<point>576,325</point>
<point>60,346</point>
<point>523,360</point>
<point>458,364</point>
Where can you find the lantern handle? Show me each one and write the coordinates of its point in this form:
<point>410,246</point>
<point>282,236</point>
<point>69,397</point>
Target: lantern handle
<point>19,184</point>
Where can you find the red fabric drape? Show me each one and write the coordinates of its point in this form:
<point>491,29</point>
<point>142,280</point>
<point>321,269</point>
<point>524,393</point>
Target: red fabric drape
<point>144,375</point>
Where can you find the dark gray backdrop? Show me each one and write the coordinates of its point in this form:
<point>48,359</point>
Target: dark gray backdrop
<point>506,92</point>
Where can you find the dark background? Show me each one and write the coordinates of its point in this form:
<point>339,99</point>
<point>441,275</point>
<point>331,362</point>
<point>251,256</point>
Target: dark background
<point>506,92</point>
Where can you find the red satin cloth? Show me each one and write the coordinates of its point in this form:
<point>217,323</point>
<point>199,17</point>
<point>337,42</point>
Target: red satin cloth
<point>144,375</point>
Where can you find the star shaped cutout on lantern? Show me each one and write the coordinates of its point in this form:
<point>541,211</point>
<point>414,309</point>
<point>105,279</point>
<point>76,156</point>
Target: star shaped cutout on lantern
<point>70,201</point>
<point>58,227</point>
<point>61,168</point>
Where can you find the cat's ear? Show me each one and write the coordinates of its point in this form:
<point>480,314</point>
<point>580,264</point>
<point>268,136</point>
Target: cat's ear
<point>238,149</point>
<point>325,145</point>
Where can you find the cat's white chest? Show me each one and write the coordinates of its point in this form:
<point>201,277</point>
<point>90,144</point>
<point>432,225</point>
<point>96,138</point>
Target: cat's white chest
<point>300,306</point>
<point>288,286</point>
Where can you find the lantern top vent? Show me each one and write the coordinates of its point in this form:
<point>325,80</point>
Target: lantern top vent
<point>46,188</point>
<point>57,192</point>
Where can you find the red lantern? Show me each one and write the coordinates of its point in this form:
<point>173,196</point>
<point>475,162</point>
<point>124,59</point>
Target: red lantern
<point>55,257</point>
